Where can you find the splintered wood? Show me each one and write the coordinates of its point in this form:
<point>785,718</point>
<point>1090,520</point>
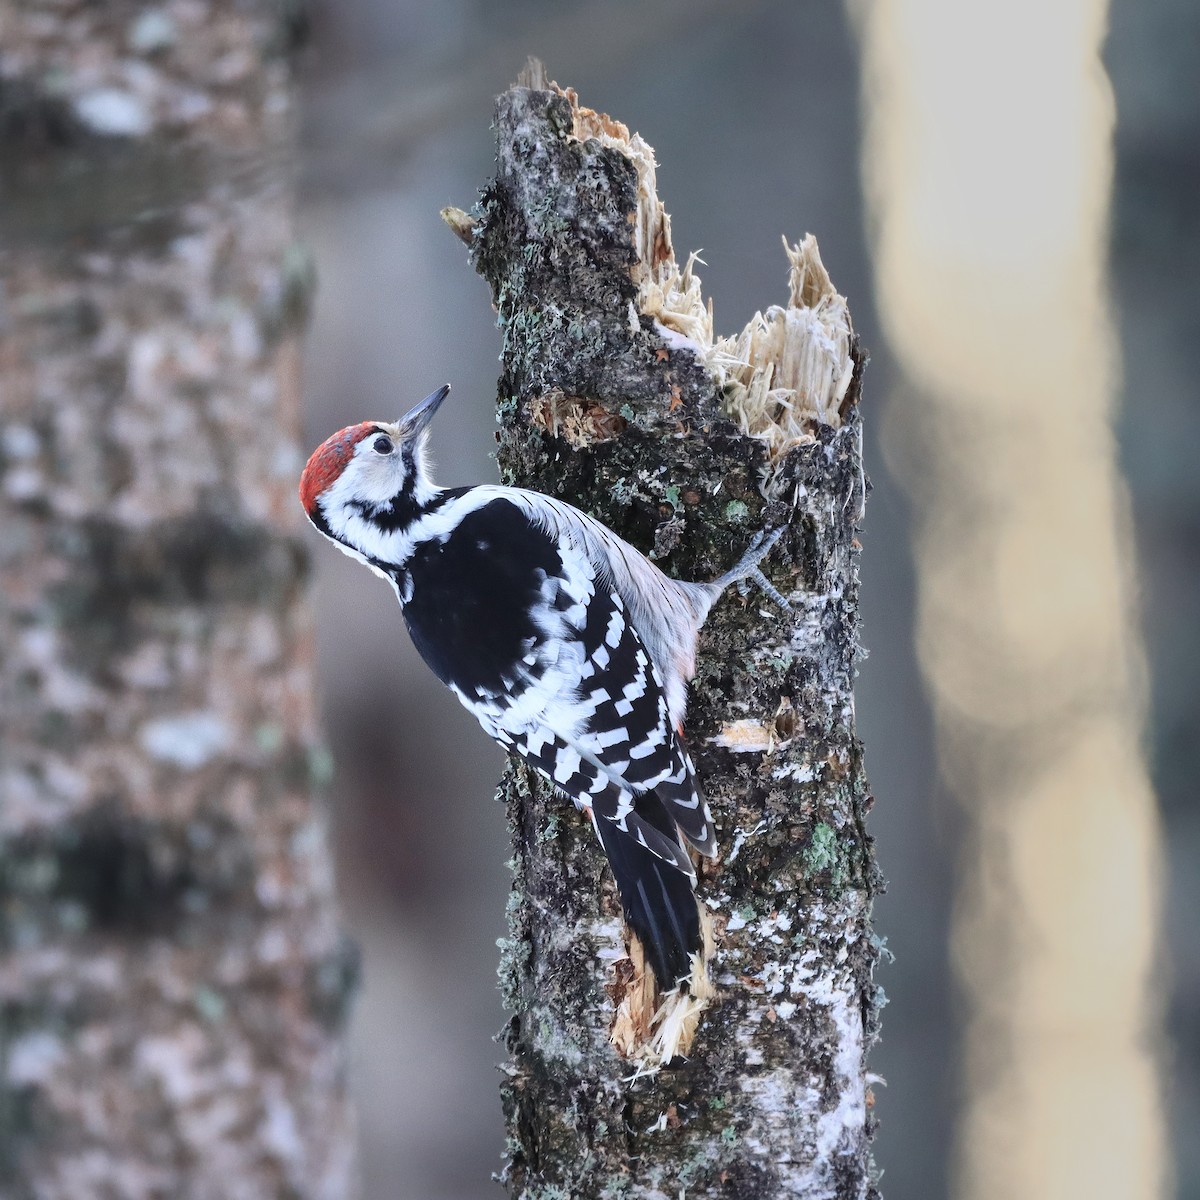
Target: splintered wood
<point>654,1029</point>
<point>791,368</point>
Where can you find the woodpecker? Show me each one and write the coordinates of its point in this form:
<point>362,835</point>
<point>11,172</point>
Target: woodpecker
<point>569,647</point>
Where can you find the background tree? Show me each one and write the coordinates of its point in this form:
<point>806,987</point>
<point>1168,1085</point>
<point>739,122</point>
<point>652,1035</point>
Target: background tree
<point>173,981</point>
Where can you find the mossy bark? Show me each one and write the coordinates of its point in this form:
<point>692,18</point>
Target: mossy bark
<point>173,979</point>
<point>600,406</point>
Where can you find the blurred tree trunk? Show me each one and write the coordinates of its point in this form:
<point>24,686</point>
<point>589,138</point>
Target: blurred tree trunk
<point>615,396</point>
<point>173,980</point>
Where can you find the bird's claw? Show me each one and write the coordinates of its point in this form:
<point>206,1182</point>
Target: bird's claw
<point>747,568</point>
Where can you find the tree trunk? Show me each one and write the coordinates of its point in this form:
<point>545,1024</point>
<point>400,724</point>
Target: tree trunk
<point>173,980</point>
<point>615,396</point>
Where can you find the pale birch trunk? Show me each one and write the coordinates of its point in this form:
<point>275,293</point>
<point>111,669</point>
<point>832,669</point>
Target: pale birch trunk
<point>1002,431</point>
<point>614,396</point>
<point>173,980</point>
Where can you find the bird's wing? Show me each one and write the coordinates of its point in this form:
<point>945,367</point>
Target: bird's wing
<point>539,645</point>
<point>667,613</point>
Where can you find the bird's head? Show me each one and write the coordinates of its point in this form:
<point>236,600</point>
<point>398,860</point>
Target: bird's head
<point>372,477</point>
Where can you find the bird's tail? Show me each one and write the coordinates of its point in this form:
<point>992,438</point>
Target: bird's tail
<point>658,898</point>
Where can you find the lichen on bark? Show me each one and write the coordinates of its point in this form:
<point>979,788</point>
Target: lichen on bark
<point>616,396</point>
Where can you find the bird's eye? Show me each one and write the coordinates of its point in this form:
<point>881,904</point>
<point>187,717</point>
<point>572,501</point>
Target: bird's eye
<point>382,445</point>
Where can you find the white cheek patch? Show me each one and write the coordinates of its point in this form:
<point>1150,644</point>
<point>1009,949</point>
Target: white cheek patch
<point>372,478</point>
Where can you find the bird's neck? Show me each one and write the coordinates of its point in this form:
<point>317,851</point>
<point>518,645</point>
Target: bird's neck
<point>385,534</point>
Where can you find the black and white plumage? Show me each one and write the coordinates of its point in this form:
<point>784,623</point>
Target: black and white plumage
<point>569,647</point>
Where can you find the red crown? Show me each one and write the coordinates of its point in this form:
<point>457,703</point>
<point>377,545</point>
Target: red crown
<point>328,461</point>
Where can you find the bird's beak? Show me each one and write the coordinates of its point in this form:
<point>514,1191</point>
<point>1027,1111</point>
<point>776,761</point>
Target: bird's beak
<point>416,420</point>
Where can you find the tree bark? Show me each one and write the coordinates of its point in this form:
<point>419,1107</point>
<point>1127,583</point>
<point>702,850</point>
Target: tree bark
<point>173,980</point>
<point>616,396</point>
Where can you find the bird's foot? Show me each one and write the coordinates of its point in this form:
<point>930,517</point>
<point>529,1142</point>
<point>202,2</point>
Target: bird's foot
<point>747,568</point>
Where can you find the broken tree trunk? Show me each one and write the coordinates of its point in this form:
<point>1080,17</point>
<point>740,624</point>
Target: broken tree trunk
<point>172,977</point>
<point>616,396</point>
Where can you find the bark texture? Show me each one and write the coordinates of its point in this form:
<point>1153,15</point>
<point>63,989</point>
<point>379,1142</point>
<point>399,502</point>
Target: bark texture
<point>615,397</point>
<point>173,980</point>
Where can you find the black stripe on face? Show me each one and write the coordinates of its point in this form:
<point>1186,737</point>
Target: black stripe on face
<point>320,524</point>
<point>403,508</point>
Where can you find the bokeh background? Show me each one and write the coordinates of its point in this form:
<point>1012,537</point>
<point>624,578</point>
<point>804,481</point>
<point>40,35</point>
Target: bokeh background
<point>756,111</point>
